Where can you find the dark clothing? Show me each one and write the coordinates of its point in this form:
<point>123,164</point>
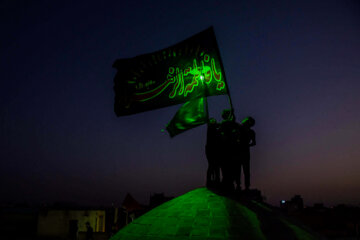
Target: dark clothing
<point>230,162</point>
<point>236,141</point>
<point>246,140</point>
<point>89,233</point>
<point>213,151</point>
<point>245,164</point>
<point>230,133</point>
<point>212,135</point>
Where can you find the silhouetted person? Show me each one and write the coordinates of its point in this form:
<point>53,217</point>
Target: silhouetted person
<point>89,232</point>
<point>73,229</point>
<point>212,151</point>
<point>246,140</point>
<point>229,130</point>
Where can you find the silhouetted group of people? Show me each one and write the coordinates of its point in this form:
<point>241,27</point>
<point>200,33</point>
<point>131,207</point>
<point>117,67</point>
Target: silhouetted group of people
<point>228,152</point>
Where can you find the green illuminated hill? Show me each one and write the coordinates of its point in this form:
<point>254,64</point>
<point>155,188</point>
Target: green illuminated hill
<point>202,214</point>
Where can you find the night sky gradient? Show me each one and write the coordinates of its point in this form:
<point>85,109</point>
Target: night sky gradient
<point>292,65</point>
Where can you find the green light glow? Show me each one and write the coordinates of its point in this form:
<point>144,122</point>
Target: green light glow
<point>179,81</point>
<point>199,214</point>
<point>185,71</point>
<point>178,77</point>
<point>244,120</point>
<point>158,91</point>
<point>202,214</point>
<point>300,233</point>
<point>207,73</point>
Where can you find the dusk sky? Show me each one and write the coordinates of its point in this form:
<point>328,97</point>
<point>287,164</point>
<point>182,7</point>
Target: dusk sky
<point>292,65</point>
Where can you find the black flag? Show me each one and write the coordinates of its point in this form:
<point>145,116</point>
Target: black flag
<point>173,75</point>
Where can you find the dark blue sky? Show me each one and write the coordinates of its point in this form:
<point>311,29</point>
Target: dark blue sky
<point>293,65</point>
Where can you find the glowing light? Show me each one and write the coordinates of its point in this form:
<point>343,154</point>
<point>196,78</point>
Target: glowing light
<point>178,77</point>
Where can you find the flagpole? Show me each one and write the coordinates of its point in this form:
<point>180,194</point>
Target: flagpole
<point>222,67</point>
<point>206,110</point>
<point>205,97</point>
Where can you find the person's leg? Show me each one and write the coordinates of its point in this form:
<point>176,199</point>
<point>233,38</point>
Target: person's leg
<point>237,175</point>
<point>209,169</point>
<point>246,169</point>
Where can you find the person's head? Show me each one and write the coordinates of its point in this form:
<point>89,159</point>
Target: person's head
<point>248,122</point>
<point>87,224</point>
<point>227,114</point>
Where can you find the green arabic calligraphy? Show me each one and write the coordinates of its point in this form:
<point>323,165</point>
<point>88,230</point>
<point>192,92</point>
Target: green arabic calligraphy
<point>206,73</point>
<point>202,73</point>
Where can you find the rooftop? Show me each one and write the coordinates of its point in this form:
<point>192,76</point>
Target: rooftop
<point>203,214</point>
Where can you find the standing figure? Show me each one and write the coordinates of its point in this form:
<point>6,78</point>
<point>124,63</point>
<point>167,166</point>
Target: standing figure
<point>229,130</point>
<point>246,140</point>
<point>89,232</point>
<point>212,152</point>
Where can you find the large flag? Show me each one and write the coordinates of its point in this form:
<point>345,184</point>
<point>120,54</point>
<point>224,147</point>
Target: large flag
<point>190,115</point>
<point>173,75</point>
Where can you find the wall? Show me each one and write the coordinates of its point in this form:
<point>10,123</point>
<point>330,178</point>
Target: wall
<point>55,223</point>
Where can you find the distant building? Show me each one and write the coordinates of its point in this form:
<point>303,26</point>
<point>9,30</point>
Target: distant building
<point>295,204</point>
<point>70,223</point>
<point>132,208</point>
